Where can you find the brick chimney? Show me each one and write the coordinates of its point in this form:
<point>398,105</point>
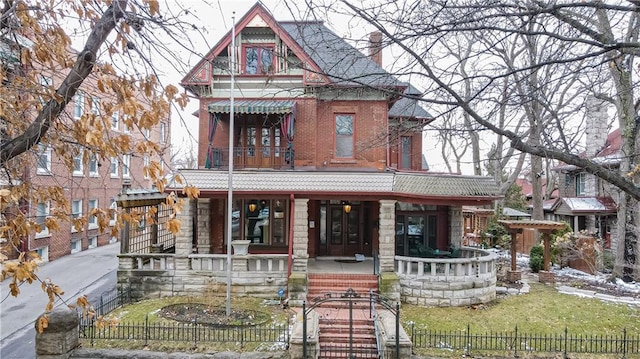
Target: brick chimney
<point>375,47</point>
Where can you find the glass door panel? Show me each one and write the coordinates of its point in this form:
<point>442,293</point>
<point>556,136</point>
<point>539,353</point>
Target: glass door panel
<point>336,226</point>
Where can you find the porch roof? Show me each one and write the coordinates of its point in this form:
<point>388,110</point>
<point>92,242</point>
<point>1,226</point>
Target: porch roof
<point>392,184</point>
<point>253,106</point>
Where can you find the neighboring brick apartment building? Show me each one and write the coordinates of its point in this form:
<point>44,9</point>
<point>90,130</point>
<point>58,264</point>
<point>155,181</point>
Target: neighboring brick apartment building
<point>88,182</point>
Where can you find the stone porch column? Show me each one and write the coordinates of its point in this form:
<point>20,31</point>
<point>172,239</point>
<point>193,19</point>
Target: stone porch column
<point>455,226</point>
<point>387,235</point>
<point>204,225</point>
<point>301,235</point>
<point>184,238</point>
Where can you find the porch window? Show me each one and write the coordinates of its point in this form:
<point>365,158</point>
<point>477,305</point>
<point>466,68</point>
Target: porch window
<point>258,60</point>
<point>344,136</point>
<point>262,221</point>
<point>419,228</point>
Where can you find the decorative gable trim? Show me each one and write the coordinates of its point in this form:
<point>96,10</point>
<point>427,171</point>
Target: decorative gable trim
<point>257,16</point>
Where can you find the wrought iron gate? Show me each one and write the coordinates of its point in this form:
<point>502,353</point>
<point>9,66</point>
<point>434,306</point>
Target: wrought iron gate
<point>350,297</point>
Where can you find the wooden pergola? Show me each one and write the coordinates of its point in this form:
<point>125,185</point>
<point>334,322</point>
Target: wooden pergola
<point>546,228</point>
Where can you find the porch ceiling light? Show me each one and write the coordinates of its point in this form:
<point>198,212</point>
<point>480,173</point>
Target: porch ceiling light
<point>252,207</point>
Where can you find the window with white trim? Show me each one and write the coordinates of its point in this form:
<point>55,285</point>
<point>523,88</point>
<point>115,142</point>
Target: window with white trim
<point>78,163</point>
<point>93,220</point>
<point>115,121</point>
<point>78,105</point>
<point>93,165</point>
<point>162,133</point>
<point>42,212</point>
<point>146,164</point>
<point>76,212</point>
<point>76,245</point>
<point>581,184</point>
<point>43,253</point>
<point>95,105</point>
<point>147,134</point>
<point>43,165</point>
<point>113,207</point>
<point>45,82</point>
<point>114,167</point>
<point>93,242</point>
<point>126,165</point>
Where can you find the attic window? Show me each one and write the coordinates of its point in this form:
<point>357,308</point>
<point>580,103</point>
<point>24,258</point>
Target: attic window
<point>258,60</point>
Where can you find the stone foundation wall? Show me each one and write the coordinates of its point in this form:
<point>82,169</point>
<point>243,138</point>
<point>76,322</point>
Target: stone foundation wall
<point>447,294</point>
<point>165,283</point>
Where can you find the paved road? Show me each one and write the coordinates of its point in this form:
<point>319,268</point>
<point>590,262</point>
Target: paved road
<point>91,272</point>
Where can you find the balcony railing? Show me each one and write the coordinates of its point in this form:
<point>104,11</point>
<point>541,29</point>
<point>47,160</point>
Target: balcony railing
<point>252,157</point>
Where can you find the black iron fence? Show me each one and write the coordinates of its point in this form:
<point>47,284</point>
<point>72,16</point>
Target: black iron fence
<point>184,332</point>
<point>516,342</point>
<point>109,303</point>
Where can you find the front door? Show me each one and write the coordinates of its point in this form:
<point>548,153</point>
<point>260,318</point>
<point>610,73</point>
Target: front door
<point>345,231</point>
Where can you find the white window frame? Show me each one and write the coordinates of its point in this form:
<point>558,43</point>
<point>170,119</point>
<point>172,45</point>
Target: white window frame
<point>145,170</point>
<point>42,222</point>
<point>95,105</point>
<point>92,219</point>
<point>94,166</point>
<point>147,134</point>
<point>115,121</point>
<point>43,150</point>
<point>43,253</point>
<point>93,242</point>
<point>77,243</point>
<point>78,163</point>
<point>78,105</point>
<point>163,132</point>
<point>76,211</point>
<point>126,166</point>
<point>581,184</point>
<point>113,167</point>
<point>114,215</point>
<point>45,82</point>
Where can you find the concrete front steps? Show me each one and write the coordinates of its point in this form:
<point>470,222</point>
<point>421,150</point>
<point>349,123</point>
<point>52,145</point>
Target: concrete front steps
<point>338,337</point>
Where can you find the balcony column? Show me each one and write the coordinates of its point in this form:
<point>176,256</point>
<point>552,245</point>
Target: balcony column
<point>455,226</point>
<point>387,235</point>
<point>301,235</point>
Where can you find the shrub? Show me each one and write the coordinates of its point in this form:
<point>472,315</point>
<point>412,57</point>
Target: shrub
<point>537,250</point>
<point>536,263</point>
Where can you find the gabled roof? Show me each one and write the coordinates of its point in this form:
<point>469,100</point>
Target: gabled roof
<point>324,53</point>
<point>342,63</point>
<point>609,155</point>
<point>201,73</point>
<point>584,205</point>
<point>409,107</point>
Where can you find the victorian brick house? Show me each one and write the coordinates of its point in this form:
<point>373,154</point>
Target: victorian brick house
<point>327,151</point>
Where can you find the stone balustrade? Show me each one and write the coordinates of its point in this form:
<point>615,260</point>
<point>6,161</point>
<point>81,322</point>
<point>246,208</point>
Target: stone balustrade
<point>465,280</point>
<point>251,263</point>
<point>153,275</point>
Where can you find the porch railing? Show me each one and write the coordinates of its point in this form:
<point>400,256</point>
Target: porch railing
<point>253,157</point>
<point>472,262</point>
<point>270,263</point>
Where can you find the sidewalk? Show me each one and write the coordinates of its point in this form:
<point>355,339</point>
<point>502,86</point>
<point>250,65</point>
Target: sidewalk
<point>73,273</point>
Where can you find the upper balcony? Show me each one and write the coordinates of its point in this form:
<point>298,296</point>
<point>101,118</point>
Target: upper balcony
<point>259,157</point>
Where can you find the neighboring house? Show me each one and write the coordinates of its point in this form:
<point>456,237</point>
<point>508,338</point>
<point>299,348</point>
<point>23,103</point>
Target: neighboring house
<point>327,155</point>
<point>89,182</point>
<point>586,202</point>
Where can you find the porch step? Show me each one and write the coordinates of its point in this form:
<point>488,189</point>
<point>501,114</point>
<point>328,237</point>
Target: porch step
<point>336,320</point>
<point>321,284</point>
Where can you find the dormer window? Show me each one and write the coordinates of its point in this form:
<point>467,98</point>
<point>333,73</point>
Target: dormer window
<point>258,60</point>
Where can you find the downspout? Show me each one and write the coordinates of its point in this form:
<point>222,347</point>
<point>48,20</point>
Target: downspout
<point>290,257</point>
